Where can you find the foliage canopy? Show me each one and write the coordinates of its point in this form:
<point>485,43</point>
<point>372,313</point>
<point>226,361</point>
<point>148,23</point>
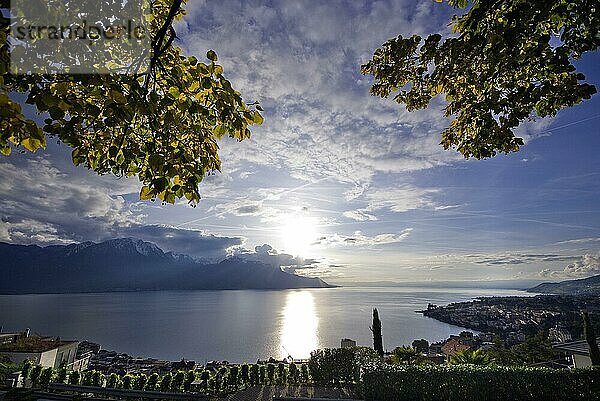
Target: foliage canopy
<point>161,125</point>
<point>506,62</point>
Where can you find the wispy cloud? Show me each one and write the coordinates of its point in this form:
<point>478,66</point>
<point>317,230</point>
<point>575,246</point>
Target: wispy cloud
<point>359,215</point>
<point>358,239</point>
<point>401,199</point>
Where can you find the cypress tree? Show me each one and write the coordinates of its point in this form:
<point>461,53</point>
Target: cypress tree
<point>74,377</point>
<point>113,381</point>
<point>26,369</point>
<point>34,375</point>
<point>590,337</point>
<point>165,383</point>
<point>190,376</point>
<point>376,329</point>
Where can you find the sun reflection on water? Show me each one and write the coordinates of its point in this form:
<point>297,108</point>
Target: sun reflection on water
<point>300,324</point>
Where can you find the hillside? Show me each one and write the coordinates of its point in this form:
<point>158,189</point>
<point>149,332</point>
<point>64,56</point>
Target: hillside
<point>130,265</point>
<point>587,287</point>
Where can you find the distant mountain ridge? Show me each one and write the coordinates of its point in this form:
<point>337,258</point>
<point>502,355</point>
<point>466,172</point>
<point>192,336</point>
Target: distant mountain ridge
<point>581,287</point>
<point>130,264</point>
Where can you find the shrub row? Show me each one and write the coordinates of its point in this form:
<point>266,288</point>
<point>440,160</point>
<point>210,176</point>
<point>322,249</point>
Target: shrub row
<point>476,383</point>
<point>225,380</point>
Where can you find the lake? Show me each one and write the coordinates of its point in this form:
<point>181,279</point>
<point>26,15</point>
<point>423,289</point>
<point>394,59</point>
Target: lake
<point>235,325</point>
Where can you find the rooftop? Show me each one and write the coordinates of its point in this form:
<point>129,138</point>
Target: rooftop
<point>575,347</point>
<point>33,344</point>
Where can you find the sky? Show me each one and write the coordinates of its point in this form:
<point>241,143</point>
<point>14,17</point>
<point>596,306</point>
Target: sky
<point>337,183</point>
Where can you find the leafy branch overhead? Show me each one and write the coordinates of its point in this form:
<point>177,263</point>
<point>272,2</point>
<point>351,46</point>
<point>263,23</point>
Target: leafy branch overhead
<point>506,62</point>
<point>161,125</point>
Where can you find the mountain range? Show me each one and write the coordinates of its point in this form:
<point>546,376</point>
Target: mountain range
<point>129,264</point>
<point>582,287</point>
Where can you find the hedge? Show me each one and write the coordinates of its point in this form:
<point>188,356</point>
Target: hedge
<point>477,383</point>
<point>333,366</point>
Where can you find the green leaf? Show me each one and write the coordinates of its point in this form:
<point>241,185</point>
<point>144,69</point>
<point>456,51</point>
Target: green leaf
<point>211,55</point>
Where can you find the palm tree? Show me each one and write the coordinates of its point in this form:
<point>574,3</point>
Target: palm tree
<point>467,357</point>
<point>407,356</point>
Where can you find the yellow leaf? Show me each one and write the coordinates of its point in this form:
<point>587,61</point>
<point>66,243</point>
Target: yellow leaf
<point>32,144</point>
<point>146,193</point>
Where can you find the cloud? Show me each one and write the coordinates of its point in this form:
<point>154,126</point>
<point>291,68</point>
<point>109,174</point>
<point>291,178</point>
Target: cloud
<point>199,244</point>
<point>517,258</point>
<point>579,241</point>
<point>358,239</point>
<point>359,215</point>
<point>447,207</point>
<point>41,204</point>
<point>44,203</point>
<point>401,199</point>
<point>588,265</point>
<point>320,120</point>
<point>268,255</point>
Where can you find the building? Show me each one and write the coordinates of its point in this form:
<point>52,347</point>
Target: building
<point>453,346</point>
<point>559,335</point>
<point>7,338</point>
<point>44,351</point>
<point>578,351</point>
<point>436,348</point>
<point>348,343</point>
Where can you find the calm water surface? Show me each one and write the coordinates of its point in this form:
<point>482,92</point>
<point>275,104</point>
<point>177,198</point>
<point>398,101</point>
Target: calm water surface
<point>234,325</point>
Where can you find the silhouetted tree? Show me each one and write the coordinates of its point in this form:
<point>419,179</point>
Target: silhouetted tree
<point>61,375</point>
<point>293,373</point>
<point>212,384</point>
<point>590,337</point>
<point>86,378</point>
<point>253,374</point>
<point>140,382</point>
<point>74,377</point>
<point>421,346</point>
<point>262,373</point>
<point>34,375</point>
<point>190,376</point>
<point>281,374</point>
<point>376,329</point>
<point>271,373</point>
<point>128,382</point>
<point>45,378</point>
<point>221,378</point>
<point>244,374</point>
<point>26,369</point>
<point>177,381</point>
<point>113,381</point>
<point>165,382</point>
<point>205,376</point>
<point>152,382</point>
<point>233,376</point>
<point>98,379</point>
<point>304,375</point>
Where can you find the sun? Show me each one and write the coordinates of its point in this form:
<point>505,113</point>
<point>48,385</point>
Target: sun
<point>298,233</point>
